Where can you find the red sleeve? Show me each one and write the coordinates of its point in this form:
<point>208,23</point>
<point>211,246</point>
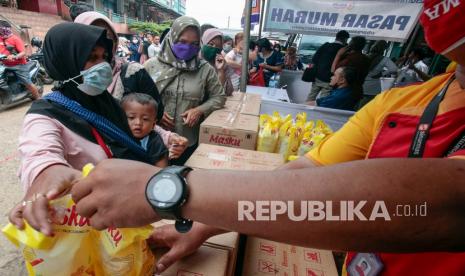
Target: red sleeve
<point>19,44</point>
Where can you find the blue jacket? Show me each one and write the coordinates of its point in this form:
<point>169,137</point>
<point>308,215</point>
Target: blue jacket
<point>340,98</point>
<point>134,48</point>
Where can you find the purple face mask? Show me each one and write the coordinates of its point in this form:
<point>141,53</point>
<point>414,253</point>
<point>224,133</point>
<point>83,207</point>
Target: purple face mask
<point>184,51</point>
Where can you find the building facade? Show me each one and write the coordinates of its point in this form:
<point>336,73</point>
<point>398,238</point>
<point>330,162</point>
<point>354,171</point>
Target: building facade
<point>120,11</point>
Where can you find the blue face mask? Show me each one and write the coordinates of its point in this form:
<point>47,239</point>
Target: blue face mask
<point>96,79</point>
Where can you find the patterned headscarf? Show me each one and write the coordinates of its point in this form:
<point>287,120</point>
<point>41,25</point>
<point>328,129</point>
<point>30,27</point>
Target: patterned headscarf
<point>167,56</point>
<point>5,32</point>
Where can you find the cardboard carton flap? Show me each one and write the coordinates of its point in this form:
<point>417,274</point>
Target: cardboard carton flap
<point>217,157</point>
<point>241,96</point>
<point>227,240</point>
<point>231,121</point>
<point>205,261</point>
<point>248,104</point>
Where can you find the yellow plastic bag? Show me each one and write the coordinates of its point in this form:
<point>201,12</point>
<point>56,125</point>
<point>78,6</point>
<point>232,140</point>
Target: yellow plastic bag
<point>264,118</point>
<point>322,127</point>
<point>78,249</point>
<point>305,145</point>
<point>282,134</point>
<point>268,137</point>
<point>301,118</point>
<point>309,126</point>
<point>290,143</point>
<point>287,118</point>
<point>310,141</point>
<point>293,158</point>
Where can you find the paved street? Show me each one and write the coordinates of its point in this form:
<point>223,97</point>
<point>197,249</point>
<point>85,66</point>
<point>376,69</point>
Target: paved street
<point>10,125</point>
<point>11,261</point>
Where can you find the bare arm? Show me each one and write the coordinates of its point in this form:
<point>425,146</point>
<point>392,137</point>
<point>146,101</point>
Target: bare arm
<point>162,163</point>
<point>337,59</point>
<point>231,63</point>
<point>396,181</point>
<point>214,197</point>
<point>276,69</point>
<point>20,55</point>
<point>300,163</point>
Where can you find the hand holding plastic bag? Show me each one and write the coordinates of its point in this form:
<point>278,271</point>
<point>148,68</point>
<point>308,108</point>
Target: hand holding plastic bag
<point>78,249</point>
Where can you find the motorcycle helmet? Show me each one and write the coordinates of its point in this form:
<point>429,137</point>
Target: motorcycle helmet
<point>4,23</point>
<point>36,42</point>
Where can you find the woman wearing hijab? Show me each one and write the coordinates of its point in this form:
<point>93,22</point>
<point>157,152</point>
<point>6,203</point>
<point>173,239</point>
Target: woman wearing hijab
<point>133,78</point>
<point>212,41</point>
<point>127,77</point>
<point>380,66</point>
<point>123,50</point>
<point>77,124</point>
<point>292,61</point>
<point>189,86</point>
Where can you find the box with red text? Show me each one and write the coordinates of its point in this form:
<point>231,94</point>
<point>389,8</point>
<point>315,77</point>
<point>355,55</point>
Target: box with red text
<point>263,257</point>
<point>230,129</point>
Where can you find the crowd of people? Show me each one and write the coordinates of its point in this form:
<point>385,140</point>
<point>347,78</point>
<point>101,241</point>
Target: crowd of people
<point>369,66</point>
<point>386,150</point>
<point>224,53</point>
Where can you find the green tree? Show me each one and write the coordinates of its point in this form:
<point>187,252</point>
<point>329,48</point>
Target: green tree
<point>149,27</point>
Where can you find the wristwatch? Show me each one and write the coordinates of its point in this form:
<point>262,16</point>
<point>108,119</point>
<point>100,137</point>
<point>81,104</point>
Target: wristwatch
<point>167,192</point>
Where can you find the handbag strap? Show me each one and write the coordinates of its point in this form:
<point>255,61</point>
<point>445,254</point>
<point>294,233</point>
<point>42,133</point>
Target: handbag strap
<point>101,143</point>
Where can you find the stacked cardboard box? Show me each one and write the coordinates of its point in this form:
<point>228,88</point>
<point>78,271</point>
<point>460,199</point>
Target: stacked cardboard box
<point>223,158</point>
<point>265,257</point>
<point>230,243</point>
<point>246,104</point>
<point>218,255</point>
<point>230,129</point>
<point>207,261</point>
<point>234,126</point>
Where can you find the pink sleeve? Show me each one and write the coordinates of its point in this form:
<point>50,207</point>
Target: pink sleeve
<point>40,146</point>
<point>165,135</point>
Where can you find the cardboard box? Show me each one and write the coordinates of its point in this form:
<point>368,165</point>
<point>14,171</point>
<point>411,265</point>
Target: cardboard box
<point>263,258</point>
<point>217,157</point>
<point>206,261</point>
<point>210,256</point>
<point>240,96</point>
<point>230,243</point>
<point>218,255</point>
<point>230,129</point>
<point>247,104</point>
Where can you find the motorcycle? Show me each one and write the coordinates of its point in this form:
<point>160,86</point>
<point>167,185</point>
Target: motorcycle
<point>12,91</point>
<point>39,56</point>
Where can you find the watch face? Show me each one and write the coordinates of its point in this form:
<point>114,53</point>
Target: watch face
<point>164,190</point>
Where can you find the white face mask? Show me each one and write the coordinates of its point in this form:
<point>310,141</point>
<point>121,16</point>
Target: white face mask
<point>96,79</point>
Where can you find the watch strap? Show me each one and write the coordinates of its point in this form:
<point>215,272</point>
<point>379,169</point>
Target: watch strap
<point>179,170</point>
<point>182,225</point>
